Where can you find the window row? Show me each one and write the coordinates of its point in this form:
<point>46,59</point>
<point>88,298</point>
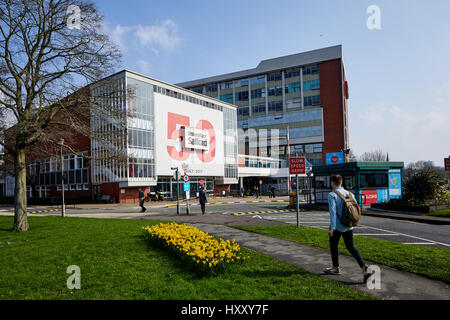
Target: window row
<point>54,178</point>
<point>185,97</point>
<point>311,85</point>
<point>138,138</point>
<point>141,168</point>
<point>311,101</point>
<point>70,161</point>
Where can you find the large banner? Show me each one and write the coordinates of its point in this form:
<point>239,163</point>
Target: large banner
<point>188,136</point>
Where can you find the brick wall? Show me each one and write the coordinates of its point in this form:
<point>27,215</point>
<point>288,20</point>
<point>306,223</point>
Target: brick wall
<point>331,101</point>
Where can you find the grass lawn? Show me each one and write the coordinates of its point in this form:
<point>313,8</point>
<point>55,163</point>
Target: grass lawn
<point>440,213</point>
<point>431,262</point>
<point>117,263</point>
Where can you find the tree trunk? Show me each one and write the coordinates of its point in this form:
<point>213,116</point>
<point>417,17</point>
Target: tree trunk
<point>20,191</point>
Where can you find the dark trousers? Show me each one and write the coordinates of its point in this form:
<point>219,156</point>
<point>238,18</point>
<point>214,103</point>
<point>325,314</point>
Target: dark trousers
<point>203,206</point>
<point>141,204</point>
<point>348,240</point>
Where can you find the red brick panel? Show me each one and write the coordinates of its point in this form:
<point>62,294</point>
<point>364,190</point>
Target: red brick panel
<point>331,101</point>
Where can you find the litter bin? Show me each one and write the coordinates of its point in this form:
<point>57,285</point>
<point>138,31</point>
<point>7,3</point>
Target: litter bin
<point>224,193</point>
<point>292,199</point>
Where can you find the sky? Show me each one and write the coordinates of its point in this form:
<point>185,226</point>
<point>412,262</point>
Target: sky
<point>398,74</point>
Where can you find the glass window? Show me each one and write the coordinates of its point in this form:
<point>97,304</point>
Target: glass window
<point>292,73</point>
<point>258,79</point>
<point>275,76</point>
<point>275,106</point>
<point>311,70</point>
<point>226,85</point>
<point>292,87</point>
<point>258,93</point>
<point>227,98</point>
<point>349,182</point>
<point>275,91</point>
<point>242,96</point>
<point>373,180</point>
<point>311,85</point>
<point>259,108</point>
<point>211,87</point>
<point>243,111</point>
<point>312,100</point>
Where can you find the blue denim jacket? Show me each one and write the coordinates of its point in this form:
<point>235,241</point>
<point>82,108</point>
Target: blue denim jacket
<point>335,206</point>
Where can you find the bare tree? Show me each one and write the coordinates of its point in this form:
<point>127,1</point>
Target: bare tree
<point>50,50</point>
<point>376,155</point>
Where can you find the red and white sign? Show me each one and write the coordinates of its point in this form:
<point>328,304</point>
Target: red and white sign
<point>202,182</point>
<point>369,196</point>
<point>297,165</point>
<point>447,164</point>
<point>177,119</point>
<point>186,178</point>
<point>334,159</point>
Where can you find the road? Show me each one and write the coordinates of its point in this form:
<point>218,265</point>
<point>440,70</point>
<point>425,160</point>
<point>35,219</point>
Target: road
<point>407,232</point>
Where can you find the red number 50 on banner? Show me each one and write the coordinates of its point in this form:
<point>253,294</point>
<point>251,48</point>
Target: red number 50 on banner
<point>174,119</point>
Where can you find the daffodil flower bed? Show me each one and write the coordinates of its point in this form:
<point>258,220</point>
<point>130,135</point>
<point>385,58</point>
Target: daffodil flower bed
<point>205,253</point>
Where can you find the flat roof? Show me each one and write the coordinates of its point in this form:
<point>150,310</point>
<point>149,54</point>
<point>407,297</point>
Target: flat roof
<point>172,86</point>
<point>378,165</point>
<point>289,61</point>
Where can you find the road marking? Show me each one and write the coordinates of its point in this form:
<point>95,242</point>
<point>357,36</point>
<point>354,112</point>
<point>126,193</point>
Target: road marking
<point>376,234</point>
<point>420,243</point>
<point>414,237</point>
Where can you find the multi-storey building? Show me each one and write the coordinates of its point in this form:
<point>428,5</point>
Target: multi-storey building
<point>164,127</point>
<point>305,94</point>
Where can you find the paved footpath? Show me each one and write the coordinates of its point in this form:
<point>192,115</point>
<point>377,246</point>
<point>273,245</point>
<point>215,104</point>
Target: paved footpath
<point>395,285</point>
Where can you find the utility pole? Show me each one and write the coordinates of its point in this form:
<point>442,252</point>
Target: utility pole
<point>63,205</point>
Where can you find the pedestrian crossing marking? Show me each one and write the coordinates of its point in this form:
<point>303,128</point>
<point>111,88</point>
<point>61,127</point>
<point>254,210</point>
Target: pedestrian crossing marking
<point>258,212</point>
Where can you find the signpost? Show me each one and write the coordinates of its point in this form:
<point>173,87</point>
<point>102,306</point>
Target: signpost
<point>187,190</point>
<point>297,166</point>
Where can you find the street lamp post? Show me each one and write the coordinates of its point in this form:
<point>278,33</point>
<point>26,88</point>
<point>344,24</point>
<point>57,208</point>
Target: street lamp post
<point>178,192</point>
<point>63,205</point>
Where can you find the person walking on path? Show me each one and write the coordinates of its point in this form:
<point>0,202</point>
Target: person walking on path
<point>337,229</point>
<point>203,199</point>
<point>141,200</point>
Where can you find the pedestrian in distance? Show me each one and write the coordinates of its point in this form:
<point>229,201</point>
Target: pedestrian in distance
<point>272,191</point>
<point>202,199</point>
<point>141,200</point>
<point>340,201</point>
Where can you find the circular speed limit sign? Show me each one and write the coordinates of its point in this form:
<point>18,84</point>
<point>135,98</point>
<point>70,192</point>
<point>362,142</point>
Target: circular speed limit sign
<point>185,178</point>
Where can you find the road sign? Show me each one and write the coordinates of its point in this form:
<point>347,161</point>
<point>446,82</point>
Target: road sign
<point>186,186</point>
<point>447,164</point>
<point>297,165</point>
<point>186,178</point>
<point>202,182</point>
<point>260,181</point>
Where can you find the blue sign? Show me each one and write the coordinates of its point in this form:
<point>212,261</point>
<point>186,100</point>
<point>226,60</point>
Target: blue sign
<point>395,183</point>
<point>335,158</point>
<point>186,186</point>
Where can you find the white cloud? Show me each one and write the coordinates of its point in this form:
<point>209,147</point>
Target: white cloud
<point>163,36</point>
<point>144,66</point>
<point>117,35</point>
<point>159,37</point>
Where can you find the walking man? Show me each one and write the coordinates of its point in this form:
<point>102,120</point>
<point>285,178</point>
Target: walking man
<point>337,229</point>
<point>202,198</point>
<point>141,200</point>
